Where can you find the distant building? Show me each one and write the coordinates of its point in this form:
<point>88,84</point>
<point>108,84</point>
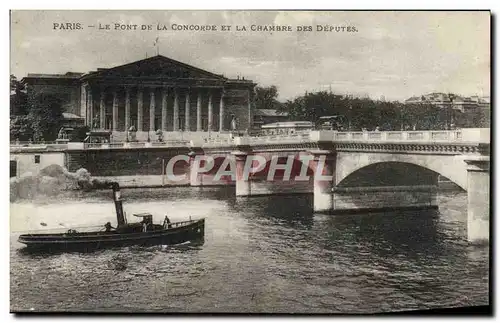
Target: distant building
<point>460,103</point>
<point>266,116</point>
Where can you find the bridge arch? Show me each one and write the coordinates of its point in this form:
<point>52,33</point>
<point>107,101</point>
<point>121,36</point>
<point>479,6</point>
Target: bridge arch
<point>451,166</point>
<point>390,174</point>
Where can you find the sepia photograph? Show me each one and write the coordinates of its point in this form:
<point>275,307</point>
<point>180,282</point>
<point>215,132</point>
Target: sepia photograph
<point>250,162</point>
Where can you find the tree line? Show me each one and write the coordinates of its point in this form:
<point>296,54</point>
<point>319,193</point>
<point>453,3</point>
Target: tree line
<point>38,117</point>
<point>359,113</point>
<point>35,117</point>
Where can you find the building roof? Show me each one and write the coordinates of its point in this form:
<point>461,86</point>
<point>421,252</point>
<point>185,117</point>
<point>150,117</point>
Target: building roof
<point>155,67</point>
<point>71,116</point>
<point>444,98</point>
<point>270,113</point>
<point>68,75</point>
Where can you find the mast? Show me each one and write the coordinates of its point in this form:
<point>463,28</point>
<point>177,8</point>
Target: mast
<point>120,217</point>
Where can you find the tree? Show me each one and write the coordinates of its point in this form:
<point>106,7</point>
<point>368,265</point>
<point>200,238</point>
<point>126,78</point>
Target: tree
<point>45,116</point>
<point>388,116</point>
<point>356,113</point>
<point>366,113</point>
<point>18,97</point>
<point>295,108</point>
<point>266,97</point>
<point>483,118</point>
<point>422,116</point>
<point>20,128</point>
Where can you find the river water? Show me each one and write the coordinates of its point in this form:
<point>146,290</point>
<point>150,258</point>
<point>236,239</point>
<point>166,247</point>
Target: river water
<point>260,254</point>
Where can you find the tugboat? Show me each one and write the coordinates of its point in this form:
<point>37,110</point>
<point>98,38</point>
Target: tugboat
<point>143,233</point>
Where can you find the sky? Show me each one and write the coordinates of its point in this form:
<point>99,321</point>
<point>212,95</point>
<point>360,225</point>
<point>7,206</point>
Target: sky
<point>394,55</point>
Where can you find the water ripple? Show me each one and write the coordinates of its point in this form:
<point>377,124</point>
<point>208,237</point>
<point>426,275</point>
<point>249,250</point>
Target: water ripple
<point>260,255</point>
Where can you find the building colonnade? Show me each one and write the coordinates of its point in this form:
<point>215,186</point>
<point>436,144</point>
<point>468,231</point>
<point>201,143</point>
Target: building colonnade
<point>132,109</point>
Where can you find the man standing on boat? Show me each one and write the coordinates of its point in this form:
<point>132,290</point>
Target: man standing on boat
<point>147,223</point>
<point>108,226</point>
<point>166,223</point>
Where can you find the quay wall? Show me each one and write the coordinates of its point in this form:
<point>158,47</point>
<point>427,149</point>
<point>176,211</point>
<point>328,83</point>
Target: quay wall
<point>126,162</point>
<point>32,162</point>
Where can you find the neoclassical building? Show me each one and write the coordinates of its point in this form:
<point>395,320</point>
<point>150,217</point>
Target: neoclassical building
<point>151,94</point>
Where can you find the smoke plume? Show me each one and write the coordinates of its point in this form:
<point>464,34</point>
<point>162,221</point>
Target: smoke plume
<point>50,181</point>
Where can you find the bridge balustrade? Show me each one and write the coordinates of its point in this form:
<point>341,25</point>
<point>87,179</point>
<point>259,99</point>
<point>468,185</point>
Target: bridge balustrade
<point>471,135</point>
<point>139,144</point>
<point>374,135</point>
<point>439,135</point>
<point>51,146</point>
<point>415,135</point>
<point>357,135</point>
<point>394,135</point>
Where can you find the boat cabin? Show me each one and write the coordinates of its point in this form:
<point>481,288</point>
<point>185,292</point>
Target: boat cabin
<point>145,225</point>
<point>147,221</point>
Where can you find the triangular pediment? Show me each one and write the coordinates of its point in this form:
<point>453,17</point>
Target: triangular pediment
<point>157,67</point>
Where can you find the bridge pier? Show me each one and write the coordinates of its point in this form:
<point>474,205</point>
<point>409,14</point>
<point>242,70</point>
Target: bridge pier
<point>242,184</point>
<point>378,198</point>
<point>478,199</point>
<point>195,178</point>
<point>324,178</point>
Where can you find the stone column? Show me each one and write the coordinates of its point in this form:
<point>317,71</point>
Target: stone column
<point>242,185</point>
<point>176,110</point>
<point>198,111</point>
<point>478,199</point>
<point>164,109</point>
<point>91,108</point>
<point>83,103</point>
<point>210,112</point>
<point>324,180</point>
<point>188,112</point>
<point>152,106</point>
<point>127,108</point>
<point>115,111</point>
<point>250,111</point>
<point>221,113</point>
<point>139,109</point>
<point>102,109</point>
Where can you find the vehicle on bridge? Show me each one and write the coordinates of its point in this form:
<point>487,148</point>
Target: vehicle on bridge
<point>144,233</point>
<point>286,128</point>
<point>94,137</point>
<point>337,122</point>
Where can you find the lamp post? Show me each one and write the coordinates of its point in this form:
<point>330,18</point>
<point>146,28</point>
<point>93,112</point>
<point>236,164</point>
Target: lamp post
<point>451,97</point>
<point>350,112</point>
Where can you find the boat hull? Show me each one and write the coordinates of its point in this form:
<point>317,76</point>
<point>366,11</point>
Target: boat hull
<point>88,241</point>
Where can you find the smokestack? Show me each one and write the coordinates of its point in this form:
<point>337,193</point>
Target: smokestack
<point>96,184</point>
<point>120,217</point>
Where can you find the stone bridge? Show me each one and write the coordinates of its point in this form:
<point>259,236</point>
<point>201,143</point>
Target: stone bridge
<point>360,170</point>
<point>346,171</point>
